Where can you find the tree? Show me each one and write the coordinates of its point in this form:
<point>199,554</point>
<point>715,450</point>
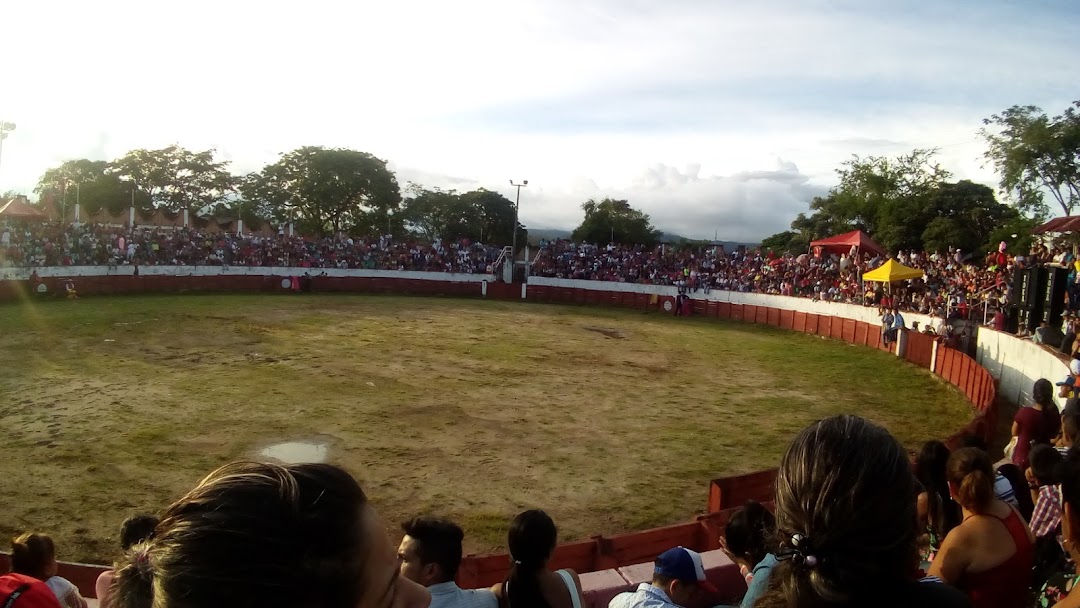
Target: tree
<point>889,198</point>
<point>496,217</point>
<point>964,215</point>
<point>615,221</point>
<point>328,190</point>
<point>787,241</point>
<point>92,184</point>
<point>175,178</point>
<point>904,203</point>
<point>480,215</point>
<point>1035,155</point>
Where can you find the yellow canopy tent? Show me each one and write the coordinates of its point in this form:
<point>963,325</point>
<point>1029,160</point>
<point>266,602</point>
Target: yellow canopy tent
<point>892,271</point>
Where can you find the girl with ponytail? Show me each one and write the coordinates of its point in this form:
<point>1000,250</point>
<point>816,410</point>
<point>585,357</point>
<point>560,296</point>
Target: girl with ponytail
<point>846,523</point>
<point>530,584</point>
<point>990,554</point>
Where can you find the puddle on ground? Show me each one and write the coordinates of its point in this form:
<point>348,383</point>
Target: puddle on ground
<point>296,452</point>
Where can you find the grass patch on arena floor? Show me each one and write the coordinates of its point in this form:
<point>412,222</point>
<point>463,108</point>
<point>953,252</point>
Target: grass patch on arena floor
<point>611,420</point>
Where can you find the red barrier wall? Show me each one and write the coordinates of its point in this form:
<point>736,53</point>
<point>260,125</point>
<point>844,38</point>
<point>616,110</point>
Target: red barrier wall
<point>725,495</point>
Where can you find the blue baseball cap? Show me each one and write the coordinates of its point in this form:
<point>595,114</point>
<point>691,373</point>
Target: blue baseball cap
<point>684,565</point>
<point>1068,381</point>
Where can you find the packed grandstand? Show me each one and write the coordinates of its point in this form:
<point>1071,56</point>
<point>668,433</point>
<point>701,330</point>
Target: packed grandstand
<point>953,281</point>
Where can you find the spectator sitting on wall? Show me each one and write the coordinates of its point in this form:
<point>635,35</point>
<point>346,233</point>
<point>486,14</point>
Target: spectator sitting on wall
<point>1068,325</point>
<point>989,555</point>
<point>531,540</point>
<point>845,510</point>
<point>750,541</point>
<point>1044,334</point>
<point>255,534</point>
<point>134,530</point>
<point>21,591</point>
<point>999,320</point>
<point>35,555</point>
<point>678,581</point>
<point>430,554</point>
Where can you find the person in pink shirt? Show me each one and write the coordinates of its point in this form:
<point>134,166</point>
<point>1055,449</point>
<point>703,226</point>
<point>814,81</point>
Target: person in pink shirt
<point>134,530</point>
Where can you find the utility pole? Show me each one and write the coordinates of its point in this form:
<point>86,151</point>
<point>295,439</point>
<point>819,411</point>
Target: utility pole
<point>517,203</point>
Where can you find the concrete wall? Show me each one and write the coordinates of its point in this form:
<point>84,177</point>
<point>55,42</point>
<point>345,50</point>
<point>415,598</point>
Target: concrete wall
<point>22,274</point>
<point>1017,363</point>
<point>866,314</point>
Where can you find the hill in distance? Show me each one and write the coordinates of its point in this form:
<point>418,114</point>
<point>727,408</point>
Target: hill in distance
<point>535,234</point>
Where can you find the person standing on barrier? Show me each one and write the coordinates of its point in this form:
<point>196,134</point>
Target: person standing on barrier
<point>886,327</point>
<point>430,554</point>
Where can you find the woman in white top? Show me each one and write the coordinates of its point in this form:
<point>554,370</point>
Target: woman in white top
<point>35,555</point>
<point>530,584</point>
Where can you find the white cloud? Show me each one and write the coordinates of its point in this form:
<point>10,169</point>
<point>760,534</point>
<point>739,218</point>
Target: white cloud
<point>578,97</point>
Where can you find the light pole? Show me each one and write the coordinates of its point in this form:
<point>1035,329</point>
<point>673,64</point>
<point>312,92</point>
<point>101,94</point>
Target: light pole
<point>513,240</point>
<point>5,128</point>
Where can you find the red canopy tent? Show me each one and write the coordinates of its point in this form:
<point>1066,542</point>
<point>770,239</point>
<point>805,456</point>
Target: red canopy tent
<point>842,243</point>
<point>1069,223</point>
<point>18,209</point>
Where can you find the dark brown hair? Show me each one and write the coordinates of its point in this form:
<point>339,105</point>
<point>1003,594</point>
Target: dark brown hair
<point>969,469</point>
<point>438,541</point>
<point>846,487</point>
<point>32,554</point>
<point>253,534</point>
<point>751,533</point>
<point>531,540</point>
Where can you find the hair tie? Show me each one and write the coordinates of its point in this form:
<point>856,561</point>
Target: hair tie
<point>801,552</point>
<point>142,563</point>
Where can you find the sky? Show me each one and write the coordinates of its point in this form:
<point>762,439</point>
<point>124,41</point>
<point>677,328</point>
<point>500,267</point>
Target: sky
<point>718,118</point>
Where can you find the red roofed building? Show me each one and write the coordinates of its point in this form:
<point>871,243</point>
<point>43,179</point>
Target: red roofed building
<point>19,208</point>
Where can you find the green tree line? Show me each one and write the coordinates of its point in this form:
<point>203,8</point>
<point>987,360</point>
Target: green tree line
<point>910,202</point>
<point>322,190</point>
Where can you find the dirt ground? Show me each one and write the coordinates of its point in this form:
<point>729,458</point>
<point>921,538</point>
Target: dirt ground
<point>611,420</point>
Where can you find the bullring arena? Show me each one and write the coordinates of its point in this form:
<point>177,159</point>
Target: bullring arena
<point>587,399</point>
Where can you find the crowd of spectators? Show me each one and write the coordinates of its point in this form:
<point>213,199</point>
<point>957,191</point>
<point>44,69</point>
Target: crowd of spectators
<point>54,244</point>
<point>850,516</point>
<point>953,280</point>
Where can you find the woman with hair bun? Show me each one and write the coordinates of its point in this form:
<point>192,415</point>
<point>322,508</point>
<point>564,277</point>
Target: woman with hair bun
<point>531,540</point>
<point>254,535</point>
<point>990,554</point>
<point>846,519</point>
